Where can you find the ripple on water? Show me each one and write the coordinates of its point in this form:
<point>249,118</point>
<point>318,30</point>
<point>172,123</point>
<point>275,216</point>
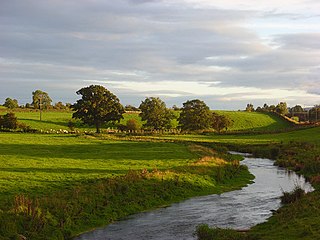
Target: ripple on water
<point>238,209</point>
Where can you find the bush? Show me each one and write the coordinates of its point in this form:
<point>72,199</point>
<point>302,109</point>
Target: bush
<point>25,128</point>
<point>8,121</point>
<point>132,125</point>
<point>290,197</point>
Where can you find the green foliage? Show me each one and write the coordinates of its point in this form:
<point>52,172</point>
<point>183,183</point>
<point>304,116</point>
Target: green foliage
<point>249,108</point>
<point>195,115</point>
<point>41,100</point>
<point>220,122</point>
<point>296,109</point>
<point>155,113</point>
<point>97,106</point>
<point>282,108</point>
<point>8,121</point>
<point>11,103</point>
<point>132,125</point>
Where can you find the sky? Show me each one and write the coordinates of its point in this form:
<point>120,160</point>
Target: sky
<point>225,52</point>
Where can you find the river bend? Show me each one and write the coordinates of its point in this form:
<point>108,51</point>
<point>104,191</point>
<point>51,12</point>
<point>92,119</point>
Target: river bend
<point>240,209</point>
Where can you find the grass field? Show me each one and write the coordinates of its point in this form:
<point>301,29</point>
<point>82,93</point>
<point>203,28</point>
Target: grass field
<point>50,173</point>
<point>255,121</point>
<point>43,175</point>
<point>242,121</point>
<point>43,162</point>
<point>309,135</point>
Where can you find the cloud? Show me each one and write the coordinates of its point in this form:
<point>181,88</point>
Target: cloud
<point>176,49</point>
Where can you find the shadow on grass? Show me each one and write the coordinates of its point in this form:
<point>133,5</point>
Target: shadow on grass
<point>103,151</point>
<point>65,170</point>
<point>44,122</point>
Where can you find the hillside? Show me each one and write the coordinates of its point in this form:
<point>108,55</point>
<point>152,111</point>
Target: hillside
<point>255,121</point>
<point>242,121</point>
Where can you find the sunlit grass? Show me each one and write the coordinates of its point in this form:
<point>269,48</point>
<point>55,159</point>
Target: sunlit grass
<point>36,163</point>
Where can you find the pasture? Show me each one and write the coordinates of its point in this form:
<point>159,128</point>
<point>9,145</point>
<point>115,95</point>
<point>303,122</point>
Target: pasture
<point>242,121</point>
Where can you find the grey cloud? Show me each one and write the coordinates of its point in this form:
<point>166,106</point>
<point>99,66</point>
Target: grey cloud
<point>303,41</point>
<point>51,44</point>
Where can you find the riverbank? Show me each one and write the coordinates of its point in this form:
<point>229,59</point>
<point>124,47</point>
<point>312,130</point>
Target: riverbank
<point>297,220</point>
<point>91,182</point>
<point>240,209</point>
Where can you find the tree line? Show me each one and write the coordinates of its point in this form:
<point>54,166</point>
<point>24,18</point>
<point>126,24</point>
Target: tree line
<point>98,106</point>
<point>297,113</point>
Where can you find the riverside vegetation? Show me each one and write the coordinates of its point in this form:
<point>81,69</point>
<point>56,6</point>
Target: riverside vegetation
<point>56,186</point>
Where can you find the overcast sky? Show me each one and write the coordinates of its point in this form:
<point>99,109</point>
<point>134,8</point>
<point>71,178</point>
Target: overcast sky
<point>225,52</point>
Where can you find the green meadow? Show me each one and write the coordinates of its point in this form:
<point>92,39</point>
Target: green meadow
<point>242,121</point>
<point>55,186</point>
<point>38,163</point>
<point>255,121</point>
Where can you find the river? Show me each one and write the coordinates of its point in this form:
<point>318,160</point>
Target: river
<point>240,209</point>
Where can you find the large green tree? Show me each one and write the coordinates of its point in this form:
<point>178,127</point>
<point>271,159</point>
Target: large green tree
<point>97,106</point>
<point>41,100</point>
<point>155,113</point>
<point>11,103</point>
<point>195,115</point>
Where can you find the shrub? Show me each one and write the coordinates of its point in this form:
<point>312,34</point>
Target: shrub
<point>290,197</point>
<point>132,125</point>
<point>24,127</point>
<point>71,125</point>
<point>8,121</point>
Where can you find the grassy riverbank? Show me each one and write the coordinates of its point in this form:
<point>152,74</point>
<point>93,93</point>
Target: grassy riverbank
<point>298,151</point>
<point>57,186</point>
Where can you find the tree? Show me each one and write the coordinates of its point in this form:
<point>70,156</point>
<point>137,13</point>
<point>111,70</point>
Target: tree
<point>97,106</point>
<point>272,108</point>
<point>59,106</point>
<point>195,115</point>
<point>41,100</point>
<point>296,109</point>
<point>155,113</point>
<point>282,108</point>
<point>8,121</point>
<point>131,108</point>
<point>265,107</point>
<point>132,125</point>
<point>11,103</point>
<point>249,108</point>
<point>220,122</point>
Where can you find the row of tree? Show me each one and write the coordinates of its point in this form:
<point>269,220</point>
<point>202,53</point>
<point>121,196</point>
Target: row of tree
<point>98,106</point>
<point>296,112</point>
<point>281,108</point>
<point>40,100</point>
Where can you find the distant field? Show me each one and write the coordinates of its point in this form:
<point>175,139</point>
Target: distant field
<point>242,121</point>
<point>255,121</point>
<point>306,135</point>
<point>59,120</point>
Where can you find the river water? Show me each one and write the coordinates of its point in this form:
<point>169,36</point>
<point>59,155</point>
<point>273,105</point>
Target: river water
<point>240,209</point>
